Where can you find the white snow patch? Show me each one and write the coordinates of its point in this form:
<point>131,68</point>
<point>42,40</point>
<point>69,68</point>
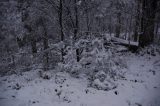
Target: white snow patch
<point>141,87</point>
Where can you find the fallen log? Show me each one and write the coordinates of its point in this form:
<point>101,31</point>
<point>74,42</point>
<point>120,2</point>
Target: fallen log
<point>124,42</point>
<point>131,45</point>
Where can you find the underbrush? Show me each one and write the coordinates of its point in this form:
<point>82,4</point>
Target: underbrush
<point>102,66</point>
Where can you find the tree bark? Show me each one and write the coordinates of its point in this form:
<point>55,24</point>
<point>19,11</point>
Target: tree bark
<point>148,21</point>
<point>61,27</point>
<point>33,45</point>
<point>76,29</point>
<point>118,25</point>
<point>31,38</point>
<point>137,20</point>
<point>45,46</point>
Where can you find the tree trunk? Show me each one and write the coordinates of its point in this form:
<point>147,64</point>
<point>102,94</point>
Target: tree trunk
<point>45,46</point>
<point>148,21</point>
<point>156,32</point>
<point>118,25</point>
<point>137,22</point>
<point>76,29</point>
<point>110,25</point>
<point>32,39</point>
<point>61,27</point>
<point>33,45</point>
<point>87,22</point>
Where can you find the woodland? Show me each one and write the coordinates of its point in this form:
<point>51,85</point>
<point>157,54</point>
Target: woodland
<point>79,52</point>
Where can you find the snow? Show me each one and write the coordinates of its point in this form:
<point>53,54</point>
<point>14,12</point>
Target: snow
<point>140,87</point>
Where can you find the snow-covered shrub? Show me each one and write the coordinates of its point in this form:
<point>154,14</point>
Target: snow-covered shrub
<point>99,63</point>
<point>70,63</point>
<point>105,85</point>
<point>101,76</point>
<point>45,74</point>
<point>100,59</point>
<point>60,78</point>
<point>102,81</point>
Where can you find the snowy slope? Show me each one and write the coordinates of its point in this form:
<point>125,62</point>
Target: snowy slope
<point>141,87</point>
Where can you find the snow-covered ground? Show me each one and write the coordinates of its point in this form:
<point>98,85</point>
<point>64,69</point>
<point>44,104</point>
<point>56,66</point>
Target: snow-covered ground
<point>140,87</point>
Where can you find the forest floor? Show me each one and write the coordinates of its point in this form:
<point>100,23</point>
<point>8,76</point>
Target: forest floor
<point>140,87</point>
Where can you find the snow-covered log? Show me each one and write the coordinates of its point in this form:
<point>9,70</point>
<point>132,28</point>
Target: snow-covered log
<point>124,42</point>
